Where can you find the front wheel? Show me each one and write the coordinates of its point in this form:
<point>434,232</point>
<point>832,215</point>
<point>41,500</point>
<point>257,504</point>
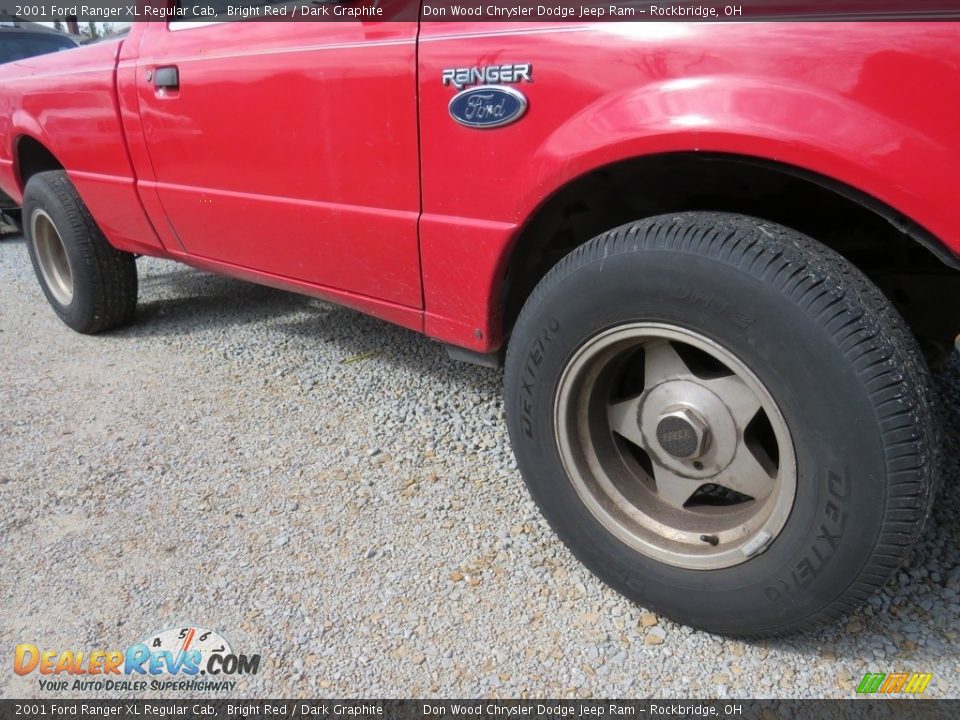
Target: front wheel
<point>723,420</point>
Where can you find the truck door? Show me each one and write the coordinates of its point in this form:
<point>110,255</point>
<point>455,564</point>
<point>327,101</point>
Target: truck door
<point>288,148</point>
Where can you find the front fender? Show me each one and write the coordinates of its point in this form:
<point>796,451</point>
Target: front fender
<point>870,106</point>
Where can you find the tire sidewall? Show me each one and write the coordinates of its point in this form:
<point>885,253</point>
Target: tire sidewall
<point>838,510</point>
<point>40,196</point>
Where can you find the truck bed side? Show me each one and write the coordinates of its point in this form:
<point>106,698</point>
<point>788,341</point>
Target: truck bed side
<point>65,104</point>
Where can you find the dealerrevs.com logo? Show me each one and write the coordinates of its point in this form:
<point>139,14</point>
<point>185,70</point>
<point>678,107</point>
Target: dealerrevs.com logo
<point>179,658</point>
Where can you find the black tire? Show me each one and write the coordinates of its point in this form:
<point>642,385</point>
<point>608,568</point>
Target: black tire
<point>104,279</point>
<point>839,361</point>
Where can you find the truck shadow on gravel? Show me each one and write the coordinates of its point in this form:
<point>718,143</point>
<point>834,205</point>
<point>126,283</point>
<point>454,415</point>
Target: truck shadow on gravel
<point>192,301</point>
<point>354,334</point>
<point>184,301</point>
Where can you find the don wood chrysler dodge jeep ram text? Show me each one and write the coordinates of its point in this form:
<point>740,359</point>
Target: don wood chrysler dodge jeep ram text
<point>718,258</point>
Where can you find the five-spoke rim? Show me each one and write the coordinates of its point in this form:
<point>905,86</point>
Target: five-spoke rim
<point>52,257</point>
<point>675,446</point>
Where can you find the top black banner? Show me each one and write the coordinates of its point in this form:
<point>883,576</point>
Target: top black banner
<point>577,11</point>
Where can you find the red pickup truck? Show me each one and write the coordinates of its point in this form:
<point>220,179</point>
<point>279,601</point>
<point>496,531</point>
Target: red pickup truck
<point>716,258</point>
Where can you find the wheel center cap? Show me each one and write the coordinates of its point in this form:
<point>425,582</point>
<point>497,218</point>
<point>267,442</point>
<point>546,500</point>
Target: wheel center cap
<point>676,436</point>
<point>673,423</point>
<point>683,434</point>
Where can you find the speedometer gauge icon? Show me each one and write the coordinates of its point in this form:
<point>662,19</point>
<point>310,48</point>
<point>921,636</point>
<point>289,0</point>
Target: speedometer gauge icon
<point>189,638</point>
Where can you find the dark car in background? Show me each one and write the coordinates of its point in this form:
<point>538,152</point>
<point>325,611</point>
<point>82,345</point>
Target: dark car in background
<point>20,40</point>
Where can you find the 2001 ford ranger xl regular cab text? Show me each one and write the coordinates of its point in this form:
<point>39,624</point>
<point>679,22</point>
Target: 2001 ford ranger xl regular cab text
<point>717,258</point>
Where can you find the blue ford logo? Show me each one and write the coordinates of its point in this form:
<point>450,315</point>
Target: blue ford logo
<point>487,106</point>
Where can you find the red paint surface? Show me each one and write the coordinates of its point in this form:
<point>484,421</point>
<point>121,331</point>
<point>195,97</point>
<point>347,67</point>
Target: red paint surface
<point>321,157</point>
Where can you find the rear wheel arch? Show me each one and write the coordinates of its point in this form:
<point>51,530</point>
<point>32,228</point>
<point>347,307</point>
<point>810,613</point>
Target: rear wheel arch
<point>31,156</point>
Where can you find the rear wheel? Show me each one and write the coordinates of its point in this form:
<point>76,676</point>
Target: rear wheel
<point>89,284</point>
<point>723,420</point>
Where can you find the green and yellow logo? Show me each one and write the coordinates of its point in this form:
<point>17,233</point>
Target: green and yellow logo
<point>891,683</point>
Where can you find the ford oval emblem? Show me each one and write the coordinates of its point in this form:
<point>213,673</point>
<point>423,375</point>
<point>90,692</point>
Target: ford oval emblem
<point>487,106</point>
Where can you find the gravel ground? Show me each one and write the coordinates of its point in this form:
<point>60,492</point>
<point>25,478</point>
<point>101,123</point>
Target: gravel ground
<point>334,493</point>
